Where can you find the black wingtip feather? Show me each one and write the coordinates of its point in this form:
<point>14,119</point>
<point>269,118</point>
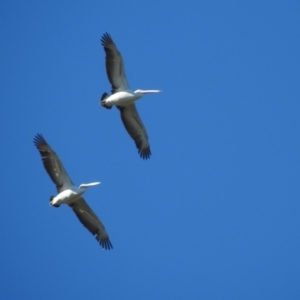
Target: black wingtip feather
<point>105,39</point>
<point>145,154</point>
<point>38,140</point>
<point>106,244</point>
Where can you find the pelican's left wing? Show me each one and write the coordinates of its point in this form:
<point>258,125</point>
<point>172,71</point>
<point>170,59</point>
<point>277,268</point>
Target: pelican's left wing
<point>114,65</point>
<point>52,164</point>
<point>90,220</point>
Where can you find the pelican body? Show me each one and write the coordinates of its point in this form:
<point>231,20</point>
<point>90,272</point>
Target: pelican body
<point>69,194</point>
<point>123,97</point>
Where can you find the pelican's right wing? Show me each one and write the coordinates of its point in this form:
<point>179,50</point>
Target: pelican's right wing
<point>114,65</point>
<point>90,221</point>
<point>52,164</point>
<point>136,129</point>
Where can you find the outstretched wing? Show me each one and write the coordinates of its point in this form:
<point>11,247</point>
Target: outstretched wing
<point>114,65</point>
<point>52,164</point>
<point>136,129</point>
<point>90,220</point>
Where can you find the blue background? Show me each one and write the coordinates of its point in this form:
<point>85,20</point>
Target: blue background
<point>214,213</point>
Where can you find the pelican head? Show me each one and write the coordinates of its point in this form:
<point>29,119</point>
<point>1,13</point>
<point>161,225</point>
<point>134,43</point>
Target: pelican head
<point>147,91</point>
<point>86,185</point>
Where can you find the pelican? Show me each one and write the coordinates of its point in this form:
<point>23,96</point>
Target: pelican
<point>123,97</point>
<point>70,194</point>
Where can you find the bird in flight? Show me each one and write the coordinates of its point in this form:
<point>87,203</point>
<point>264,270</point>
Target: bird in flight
<point>123,97</point>
<point>70,194</point>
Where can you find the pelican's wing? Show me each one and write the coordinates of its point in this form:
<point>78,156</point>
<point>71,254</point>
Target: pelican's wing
<point>136,129</point>
<point>89,220</point>
<point>52,164</point>
<point>114,65</point>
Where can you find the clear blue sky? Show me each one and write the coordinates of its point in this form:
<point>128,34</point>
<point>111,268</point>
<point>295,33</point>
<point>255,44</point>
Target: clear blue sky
<point>215,212</point>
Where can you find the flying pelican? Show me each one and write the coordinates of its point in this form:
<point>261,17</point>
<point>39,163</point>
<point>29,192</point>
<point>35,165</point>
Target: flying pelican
<point>123,97</point>
<point>70,194</point>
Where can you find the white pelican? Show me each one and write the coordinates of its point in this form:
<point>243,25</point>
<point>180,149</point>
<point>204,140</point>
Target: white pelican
<point>123,97</point>
<point>70,194</point>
